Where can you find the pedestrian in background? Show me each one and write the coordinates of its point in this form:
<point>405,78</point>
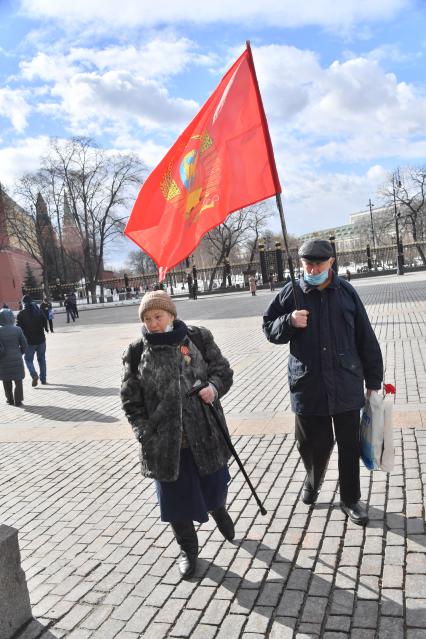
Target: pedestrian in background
<point>73,298</point>
<point>271,281</point>
<point>252,284</point>
<point>333,349</point>
<point>69,308</point>
<point>47,310</point>
<point>34,326</point>
<point>180,445</point>
<point>12,346</point>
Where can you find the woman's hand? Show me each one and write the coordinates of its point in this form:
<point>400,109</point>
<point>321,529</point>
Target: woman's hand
<point>208,394</point>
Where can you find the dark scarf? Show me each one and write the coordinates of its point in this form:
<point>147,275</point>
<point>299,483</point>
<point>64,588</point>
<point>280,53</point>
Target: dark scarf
<point>171,338</point>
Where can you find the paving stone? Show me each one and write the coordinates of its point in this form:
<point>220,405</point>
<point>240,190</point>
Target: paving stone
<point>97,617</point>
<point>74,617</point>
<point>391,602</point>
<point>127,609</point>
<point>231,627</point>
<point>185,624</point>
<point>110,629</point>
<point>391,628</point>
<point>258,620</point>
<point>416,612</point>
<point>365,615</point>
<point>140,619</point>
<point>415,586</point>
<point>338,623</point>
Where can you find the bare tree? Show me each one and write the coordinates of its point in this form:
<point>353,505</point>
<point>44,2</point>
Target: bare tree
<point>139,263</point>
<point>4,235</point>
<point>408,188</point>
<point>260,214</point>
<point>29,230</point>
<point>225,237</point>
<point>99,186</point>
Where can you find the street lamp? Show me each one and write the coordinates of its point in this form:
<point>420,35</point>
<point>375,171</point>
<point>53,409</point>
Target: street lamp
<point>396,183</point>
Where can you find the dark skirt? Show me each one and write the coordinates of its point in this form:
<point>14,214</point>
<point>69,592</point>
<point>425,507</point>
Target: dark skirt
<point>192,496</point>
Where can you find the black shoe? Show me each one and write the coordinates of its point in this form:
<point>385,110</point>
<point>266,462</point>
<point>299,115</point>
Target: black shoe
<point>18,403</point>
<point>356,512</point>
<point>10,402</point>
<point>187,564</point>
<point>309,495</point>
<point>224,522</point>
<point>35,381</point>
<point>44,383</point>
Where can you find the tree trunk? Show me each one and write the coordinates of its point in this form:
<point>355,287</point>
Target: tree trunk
<point>253,251</point>
<point>418,247</point>
<point>46,284</point>
<point>92,288</point>
<point>213,275</point>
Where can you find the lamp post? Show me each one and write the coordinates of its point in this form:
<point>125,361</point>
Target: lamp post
<point>396,183</point>
<point>370,204</point>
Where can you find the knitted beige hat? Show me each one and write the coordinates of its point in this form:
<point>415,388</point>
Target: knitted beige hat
<point>157,300</point>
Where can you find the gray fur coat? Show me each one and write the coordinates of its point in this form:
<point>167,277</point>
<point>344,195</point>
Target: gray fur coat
<point>155,403</point>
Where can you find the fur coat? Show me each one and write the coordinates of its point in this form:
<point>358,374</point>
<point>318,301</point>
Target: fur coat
<point>155,403</point>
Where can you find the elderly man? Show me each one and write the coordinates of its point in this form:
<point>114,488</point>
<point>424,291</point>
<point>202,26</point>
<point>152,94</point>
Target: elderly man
<point>333,349</point>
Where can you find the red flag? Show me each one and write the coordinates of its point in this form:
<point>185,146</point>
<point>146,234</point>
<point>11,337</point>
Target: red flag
<point>222,162</point>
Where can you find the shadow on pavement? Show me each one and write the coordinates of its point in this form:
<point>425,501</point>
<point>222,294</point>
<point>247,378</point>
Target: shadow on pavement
<point>61,414</point>
<point>86,391</point>
<point>34,630</point>
<point>297,596</point>
<point>318,595</point>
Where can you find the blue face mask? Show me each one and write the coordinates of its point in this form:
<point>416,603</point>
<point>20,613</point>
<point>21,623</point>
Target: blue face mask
<point>316,280</point>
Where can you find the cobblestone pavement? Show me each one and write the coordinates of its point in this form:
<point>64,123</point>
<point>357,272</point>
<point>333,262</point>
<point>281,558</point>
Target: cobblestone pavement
<point>99,563</point>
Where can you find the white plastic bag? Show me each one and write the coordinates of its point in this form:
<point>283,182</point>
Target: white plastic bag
<point>377,451</point>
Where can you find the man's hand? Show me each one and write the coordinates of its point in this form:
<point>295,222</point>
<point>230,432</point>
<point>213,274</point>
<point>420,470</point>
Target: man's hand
<point>299,319</point>
<point>208,394</point>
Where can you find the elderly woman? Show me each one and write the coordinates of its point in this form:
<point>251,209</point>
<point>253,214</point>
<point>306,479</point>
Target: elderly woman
<point>12,346</point>
<point>181,447</point>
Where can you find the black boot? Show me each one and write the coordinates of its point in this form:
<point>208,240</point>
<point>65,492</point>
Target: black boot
<point>186,537</point>
<point>224,522</point>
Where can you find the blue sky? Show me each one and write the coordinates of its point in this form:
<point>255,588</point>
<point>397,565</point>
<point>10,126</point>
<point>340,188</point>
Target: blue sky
<point>343,85</point>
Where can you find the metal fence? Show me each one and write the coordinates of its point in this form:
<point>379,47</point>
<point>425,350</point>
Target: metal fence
<point>270,262</point>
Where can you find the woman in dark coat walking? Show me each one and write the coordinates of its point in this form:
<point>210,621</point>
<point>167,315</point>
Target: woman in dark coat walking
<point>12,346</point>
<point>180,445</point>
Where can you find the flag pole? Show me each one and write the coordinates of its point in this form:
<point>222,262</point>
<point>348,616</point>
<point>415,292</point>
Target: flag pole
<point>274,173</point>
<point>289,258</point>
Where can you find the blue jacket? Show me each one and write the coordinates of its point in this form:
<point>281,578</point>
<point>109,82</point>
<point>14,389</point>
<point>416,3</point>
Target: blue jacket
<point>330,358</point>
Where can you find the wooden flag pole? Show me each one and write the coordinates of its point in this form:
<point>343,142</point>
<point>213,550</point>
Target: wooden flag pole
<point>289,258</point>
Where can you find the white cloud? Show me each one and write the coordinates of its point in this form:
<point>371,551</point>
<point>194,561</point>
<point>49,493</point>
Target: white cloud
<point>14,107</point>
<point>21,157</point>
<point>287,13</point>
<point>96,88</point>
<point>351,110</point>
<point>93,98</point>
<point>160,57</point>
<point>324,201</point>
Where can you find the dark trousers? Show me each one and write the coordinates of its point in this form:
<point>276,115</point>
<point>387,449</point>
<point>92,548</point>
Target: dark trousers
<point>14,397</point>
<point>315,441</point>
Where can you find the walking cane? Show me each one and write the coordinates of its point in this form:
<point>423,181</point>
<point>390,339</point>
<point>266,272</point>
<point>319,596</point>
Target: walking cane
<point>195,390</point>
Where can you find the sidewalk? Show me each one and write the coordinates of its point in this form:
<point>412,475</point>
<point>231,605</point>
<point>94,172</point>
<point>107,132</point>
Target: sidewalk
<point>99,564</point>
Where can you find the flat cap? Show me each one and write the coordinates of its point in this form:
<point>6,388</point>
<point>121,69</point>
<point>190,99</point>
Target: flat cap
<point>318,250</point>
